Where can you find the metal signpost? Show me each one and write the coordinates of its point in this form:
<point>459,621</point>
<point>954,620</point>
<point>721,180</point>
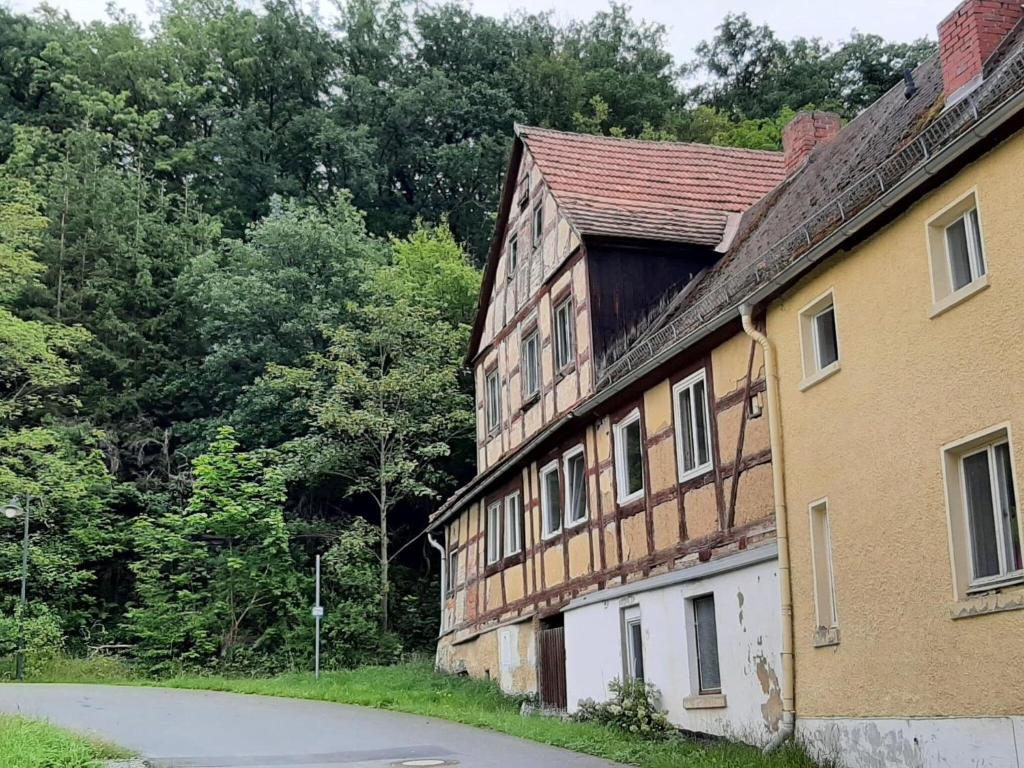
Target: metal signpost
<point>12,511</point>
<point>318,613</point>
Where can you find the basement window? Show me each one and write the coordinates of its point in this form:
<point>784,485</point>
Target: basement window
<point>629,458</point>
<point>493,532</point>
<point>819,339</point>
<point>693,444</point>
<point>705,635</point>
<point>493,401</point>
<point>513,524</point>
<point>575,486</point>
<point>633,643</point>
<point>551,499</point>
<point>984,514</point>
<point>956,253</point>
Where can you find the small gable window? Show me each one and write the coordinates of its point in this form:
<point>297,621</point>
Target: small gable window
<point>493,401</point>
<point>531,365</point>
<point>513,255</point>
<point>565,336</point>
<point>538,223</point>
<point>524,192</point>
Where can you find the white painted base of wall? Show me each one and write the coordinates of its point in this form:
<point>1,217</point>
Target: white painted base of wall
<point>956,742</point>
<point>749,645</point>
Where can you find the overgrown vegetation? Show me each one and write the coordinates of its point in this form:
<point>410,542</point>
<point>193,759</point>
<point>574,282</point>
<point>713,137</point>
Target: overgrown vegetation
<point>238,261</point>
<point>32,744</point>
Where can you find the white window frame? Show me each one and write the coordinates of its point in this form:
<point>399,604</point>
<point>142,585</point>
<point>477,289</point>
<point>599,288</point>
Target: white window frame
<point>513,523</point>
<point>690,382</point>
<point>570,521</point>
<point>960,545</point>
<point>822,566</point>
<point>565,309</point>
<point>492,402</point>
<point>813,371</point>
<point>538,231</point>
<point>513,255</point>
<point>630,618</point>
<point>494,513</point>
<point>698,686</point>
<point>621,461</point>
<point>534,336</point>
<point>545,501</point>
<point>944,295</point>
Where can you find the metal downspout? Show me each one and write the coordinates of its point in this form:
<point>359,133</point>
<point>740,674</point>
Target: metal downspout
<point>444,567</point>
<point>788,725</point>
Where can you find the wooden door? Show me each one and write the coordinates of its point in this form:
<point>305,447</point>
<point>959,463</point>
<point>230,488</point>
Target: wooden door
<point>552,667</point>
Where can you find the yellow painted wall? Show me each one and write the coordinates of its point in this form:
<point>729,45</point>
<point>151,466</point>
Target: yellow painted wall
<point>869,439</point>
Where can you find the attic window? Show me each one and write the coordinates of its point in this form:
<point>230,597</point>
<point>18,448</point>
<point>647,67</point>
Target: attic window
<point>524,192</point>
<point>513,255</point>
<point>538,223</point>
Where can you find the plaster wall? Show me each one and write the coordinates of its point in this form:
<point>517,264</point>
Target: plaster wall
<point>749,643</point>
<point>869,438</point>
<point>979,742</point>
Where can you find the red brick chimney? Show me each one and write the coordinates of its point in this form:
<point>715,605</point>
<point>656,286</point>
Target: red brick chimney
<point>969,35</point>
<point>806,131</point>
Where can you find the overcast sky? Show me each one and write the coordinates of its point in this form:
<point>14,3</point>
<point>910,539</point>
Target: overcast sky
<point>688,21</point>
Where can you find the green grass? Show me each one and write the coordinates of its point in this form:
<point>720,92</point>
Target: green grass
<point>34,744</point>
<point>417,689</point>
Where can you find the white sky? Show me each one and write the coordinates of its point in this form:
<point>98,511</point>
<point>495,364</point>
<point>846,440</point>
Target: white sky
<point>688,21</point>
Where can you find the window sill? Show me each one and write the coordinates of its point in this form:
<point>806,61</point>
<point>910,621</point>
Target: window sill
<point>996,601</point>
<point>551,535</point>
<point>529,402</point>
<point>825,637</point>
<point>820,376</point>
<point>946,303</point>
<point>561,373</point>
<point>576,523</point>
<point>624,500</point>
<point>695,472</point>
<point>705,701</point>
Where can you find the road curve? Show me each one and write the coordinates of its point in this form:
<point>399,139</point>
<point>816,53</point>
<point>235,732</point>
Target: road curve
<point>205,729</point>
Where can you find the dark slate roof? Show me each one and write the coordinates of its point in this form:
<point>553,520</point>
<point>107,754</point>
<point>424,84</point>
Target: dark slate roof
<point>655,190</point>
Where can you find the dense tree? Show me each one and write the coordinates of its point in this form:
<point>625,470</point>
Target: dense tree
<point>237,273</point>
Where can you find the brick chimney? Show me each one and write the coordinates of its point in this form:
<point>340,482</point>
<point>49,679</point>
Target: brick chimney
<point>806,131</point>
<point>968,36</point>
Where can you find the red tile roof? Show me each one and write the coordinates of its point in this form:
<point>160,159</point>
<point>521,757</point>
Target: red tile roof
<point>650,189</point>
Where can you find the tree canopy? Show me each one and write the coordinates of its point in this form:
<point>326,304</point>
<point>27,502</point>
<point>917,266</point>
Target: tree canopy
<point>239,258</point>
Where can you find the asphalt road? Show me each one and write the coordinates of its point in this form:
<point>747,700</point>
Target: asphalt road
<point>204,729</point>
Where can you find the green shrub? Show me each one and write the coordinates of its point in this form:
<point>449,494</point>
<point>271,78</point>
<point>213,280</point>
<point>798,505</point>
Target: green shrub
<point>44,639</point>
<point>633,708</point>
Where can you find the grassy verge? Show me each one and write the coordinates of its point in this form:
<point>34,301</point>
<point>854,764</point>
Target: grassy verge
<point>34,744</point>
<point>417,689</point>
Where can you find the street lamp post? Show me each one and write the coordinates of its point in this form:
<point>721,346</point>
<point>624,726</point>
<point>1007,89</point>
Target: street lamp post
<point>12,511</point>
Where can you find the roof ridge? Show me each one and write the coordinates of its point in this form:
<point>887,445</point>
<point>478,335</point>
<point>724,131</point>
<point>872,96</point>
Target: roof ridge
<point>522,130</point>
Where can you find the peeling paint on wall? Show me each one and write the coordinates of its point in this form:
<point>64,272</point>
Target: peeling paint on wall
<point>771,710</point>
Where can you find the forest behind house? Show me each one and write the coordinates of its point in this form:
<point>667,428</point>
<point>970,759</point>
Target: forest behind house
<point>239,258</point>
